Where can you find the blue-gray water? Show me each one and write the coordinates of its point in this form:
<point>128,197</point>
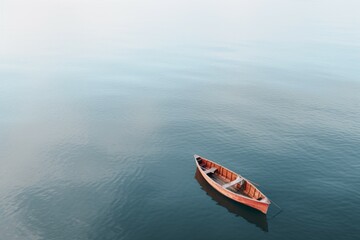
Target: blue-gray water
<point>103,104</point>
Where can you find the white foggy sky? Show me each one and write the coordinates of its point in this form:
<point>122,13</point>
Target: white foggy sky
<point>33,26</point>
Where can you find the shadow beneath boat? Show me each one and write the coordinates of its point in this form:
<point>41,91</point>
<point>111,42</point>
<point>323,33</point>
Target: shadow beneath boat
<point>249,214</point>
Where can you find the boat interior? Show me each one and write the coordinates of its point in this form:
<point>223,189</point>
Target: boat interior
<point>229,180</point>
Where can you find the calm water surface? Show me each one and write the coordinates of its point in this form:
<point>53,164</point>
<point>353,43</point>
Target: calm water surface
<point>103,104</point>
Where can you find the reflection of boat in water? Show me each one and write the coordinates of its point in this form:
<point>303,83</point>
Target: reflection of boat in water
<point>249,214</point>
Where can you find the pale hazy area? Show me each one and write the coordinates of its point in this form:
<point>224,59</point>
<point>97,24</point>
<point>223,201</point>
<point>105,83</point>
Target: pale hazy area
<point>62,27</point>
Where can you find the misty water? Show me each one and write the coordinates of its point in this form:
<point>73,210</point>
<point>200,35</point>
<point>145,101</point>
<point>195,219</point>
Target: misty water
<point>104,103</point>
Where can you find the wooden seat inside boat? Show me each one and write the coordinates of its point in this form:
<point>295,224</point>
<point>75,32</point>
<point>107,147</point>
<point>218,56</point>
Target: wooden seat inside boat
<point>232,183</point>
<point>211,170</point>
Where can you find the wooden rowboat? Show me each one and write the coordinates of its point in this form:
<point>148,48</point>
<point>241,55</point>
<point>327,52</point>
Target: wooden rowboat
<point>232,185</point>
